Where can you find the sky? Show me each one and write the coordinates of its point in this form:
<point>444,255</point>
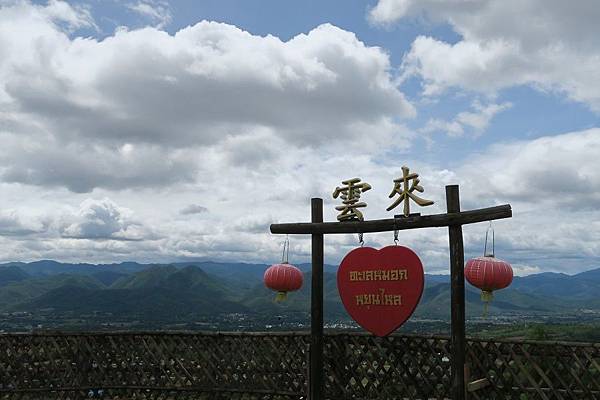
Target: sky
<point>162,131</point>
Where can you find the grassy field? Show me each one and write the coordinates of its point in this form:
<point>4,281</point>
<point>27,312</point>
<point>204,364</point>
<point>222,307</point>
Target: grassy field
<point>539,331</point>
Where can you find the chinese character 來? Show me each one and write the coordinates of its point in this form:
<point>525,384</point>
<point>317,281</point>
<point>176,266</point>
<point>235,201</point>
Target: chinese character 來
<point>405,191</point>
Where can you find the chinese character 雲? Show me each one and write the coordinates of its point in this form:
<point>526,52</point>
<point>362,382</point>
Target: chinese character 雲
<point>405,192</point>
<point>350,194</point>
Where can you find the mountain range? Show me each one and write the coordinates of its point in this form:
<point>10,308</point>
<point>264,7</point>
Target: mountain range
<point>180,291</point>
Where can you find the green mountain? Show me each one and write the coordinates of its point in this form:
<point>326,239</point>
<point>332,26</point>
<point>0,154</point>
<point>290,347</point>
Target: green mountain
<point>12,274</point>
<point>155,293</point>
<point>50,267</point>
<point>582,286</point>
<point>108,277</point>
<point>261,299</point>
<point>185,291</point>
<point>28,289</point>
<point>435,303</point>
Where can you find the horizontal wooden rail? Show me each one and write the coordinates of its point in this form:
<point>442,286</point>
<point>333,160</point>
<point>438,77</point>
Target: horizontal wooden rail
<point>401,223</point>
<point>147,388</point>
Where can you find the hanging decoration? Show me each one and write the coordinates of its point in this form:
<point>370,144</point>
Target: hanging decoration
<point>488,273</point>
<point>380,289</point>
<point>283,277</point>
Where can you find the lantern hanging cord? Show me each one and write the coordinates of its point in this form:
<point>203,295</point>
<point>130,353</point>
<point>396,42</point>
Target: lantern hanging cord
<point>286,250</point>
<point>485,253</point>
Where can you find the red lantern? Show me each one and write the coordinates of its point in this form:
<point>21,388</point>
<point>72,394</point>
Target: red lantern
<point>488,273</point>
<point>283,278</point>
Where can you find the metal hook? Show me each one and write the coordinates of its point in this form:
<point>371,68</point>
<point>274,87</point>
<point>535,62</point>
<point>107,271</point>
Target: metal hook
<point>485,253</point>
<point>395,231</point>
<point>360,239</point>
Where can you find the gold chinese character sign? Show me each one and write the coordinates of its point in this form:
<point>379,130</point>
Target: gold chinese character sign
<point>350,194</point>
<point>404,187</point>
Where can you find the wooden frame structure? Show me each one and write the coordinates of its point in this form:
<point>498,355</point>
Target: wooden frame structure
<point>453,219</point>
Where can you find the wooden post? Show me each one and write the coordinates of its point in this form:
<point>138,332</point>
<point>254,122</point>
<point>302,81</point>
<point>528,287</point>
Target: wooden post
<point>457,278</point>
<point>315,381</point>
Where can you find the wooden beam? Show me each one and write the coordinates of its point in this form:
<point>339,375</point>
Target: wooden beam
<point>383,225</point>
<point>457,294</point>
<point>315,381</point>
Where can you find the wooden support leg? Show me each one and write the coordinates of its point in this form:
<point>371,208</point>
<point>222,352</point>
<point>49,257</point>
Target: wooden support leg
<point>457,279</point>
<point>315,381</point>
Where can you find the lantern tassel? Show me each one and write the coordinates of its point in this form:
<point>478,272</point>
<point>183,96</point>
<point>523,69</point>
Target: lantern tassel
<point>281,296</point>
<point>486,297</point>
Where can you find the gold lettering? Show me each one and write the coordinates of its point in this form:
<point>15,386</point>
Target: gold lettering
<point>389,300</point>
<point>385,275</point>
<point>376,299</point>
<point>377,275</point>
<point>359,300</point>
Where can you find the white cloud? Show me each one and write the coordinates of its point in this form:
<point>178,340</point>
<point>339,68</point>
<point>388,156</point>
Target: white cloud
<point>81,167</point>
<point>102,219</point>
<point>550,45</point>
<point>144,108</point>
<point>557,171</point>
<point>523,269</point>
<point>156,11</point>
<point>15,223</point>
<point>75,16</point>
<point>475,122</point>
<point>552,183</point>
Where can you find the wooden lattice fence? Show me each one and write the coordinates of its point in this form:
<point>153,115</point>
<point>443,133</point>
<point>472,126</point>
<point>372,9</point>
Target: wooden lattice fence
<point>153,365</point>
<point>252,366</point>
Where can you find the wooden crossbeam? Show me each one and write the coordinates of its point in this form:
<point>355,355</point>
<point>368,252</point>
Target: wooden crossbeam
<point>391,224</point>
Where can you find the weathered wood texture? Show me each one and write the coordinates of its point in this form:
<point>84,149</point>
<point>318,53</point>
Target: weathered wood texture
<point>457,285</point>
<point>316,307</point>
<point>243,366</point>
<point>403,223</point>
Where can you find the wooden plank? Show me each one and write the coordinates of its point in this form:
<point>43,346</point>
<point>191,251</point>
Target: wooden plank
<point>315,382</point>
<point>478,384</point>
<point>457,293</point>
<point>390,224</point>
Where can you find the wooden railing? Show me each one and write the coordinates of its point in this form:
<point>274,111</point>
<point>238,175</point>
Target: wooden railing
<point>274,366</point>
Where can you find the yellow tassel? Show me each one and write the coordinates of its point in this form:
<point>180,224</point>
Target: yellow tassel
<point>281,296</point>
<point>486,297</point>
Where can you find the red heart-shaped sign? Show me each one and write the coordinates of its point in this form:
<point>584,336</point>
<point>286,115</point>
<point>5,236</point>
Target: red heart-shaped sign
<point>380,289</point>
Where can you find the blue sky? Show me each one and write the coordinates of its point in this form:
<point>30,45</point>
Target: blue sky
<point>154,130</point>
